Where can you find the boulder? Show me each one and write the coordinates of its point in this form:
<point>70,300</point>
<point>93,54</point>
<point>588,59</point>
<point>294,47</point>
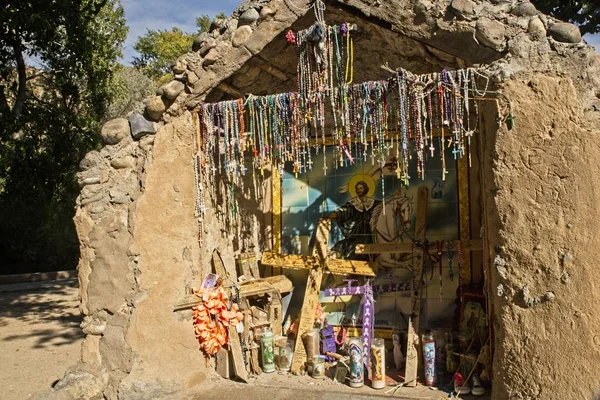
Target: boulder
<point>241,35</point>
<point>219,25</point>
<point>565,32</point>
<point>140,126</point>
<point>248,17</point>
<point>491,33</point>
<point>155,108</point>
<point>115,130</point>
<point>463,8</point>
<point>199,41</point>
<point>207,46</point>
<point>536,27</point>
<point>172,89</point>
<point>524,10</point>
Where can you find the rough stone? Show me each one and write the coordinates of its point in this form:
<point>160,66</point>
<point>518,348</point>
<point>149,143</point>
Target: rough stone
<point>565,32</point>
<point>199,41</point>
<point>115,130</point>
<point>180,65</point>
<point>155,108</point>
<point>172,89</point>
<point>80,385</point>
<point>140,126</point>
<point>146,142</point>
<point>89,181</point>
<point>123,162</point>
<point>248,17</point>
<point>267,12</point>
<point>91,159</point>
<point>241,35</point>
<point>463,8</point>
<point>536,26</point>
<point>219,25</point>
<point>216,54</point>
<point>524,10</point>
<point>491,33</point>
<point>95,324</point>
<point>207,46</point>
<point>90,191</point>
<point>191,77</point>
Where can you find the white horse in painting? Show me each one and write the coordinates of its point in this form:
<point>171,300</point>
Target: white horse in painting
<point>391,226</point>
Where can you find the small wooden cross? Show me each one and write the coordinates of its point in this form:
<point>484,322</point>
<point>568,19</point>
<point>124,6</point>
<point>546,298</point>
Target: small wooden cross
<point>317,264</point>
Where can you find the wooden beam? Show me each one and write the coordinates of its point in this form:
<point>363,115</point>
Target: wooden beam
<point>277,73</point>
<point>273,70</point>
<point>467,245</point>
<point>333,266</point>
<point>412,353</point>
<point>229,89</point>
<point>311,295</point>
<point>239,368</point>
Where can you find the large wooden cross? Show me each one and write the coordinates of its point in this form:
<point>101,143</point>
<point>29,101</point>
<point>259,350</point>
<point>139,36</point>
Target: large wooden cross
<point>317,264</point>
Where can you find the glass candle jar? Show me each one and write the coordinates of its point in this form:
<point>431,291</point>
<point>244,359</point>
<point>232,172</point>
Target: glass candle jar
<point>286,353</point>
<point>378,363</point>
<point>429,358</point>
<point>356,362</point>
<point>318,370</point>
<point>268,352</point>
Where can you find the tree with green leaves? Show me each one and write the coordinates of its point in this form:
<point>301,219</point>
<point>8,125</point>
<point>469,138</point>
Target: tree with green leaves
<point>57,65</point>
<point>584,13</point>
<point>159,49</point>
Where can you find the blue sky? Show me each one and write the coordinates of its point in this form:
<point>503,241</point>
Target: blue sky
<point>155,14</point>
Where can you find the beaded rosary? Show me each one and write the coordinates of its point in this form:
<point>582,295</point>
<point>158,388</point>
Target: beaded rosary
<point>367,123</point>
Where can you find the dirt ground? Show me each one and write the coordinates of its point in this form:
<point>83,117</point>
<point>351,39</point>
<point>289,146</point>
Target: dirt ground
<point>39,335</point>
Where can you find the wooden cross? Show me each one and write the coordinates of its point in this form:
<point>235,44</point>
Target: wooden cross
<point>416,286</point>
<point>317,264</point>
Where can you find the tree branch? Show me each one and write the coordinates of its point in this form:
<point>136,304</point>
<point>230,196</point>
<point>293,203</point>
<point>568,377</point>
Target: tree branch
<point>21,91</point>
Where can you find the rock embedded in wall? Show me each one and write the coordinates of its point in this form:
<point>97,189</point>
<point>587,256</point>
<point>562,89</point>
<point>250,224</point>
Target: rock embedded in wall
<point>464,9</point>
<point>241,35</point>
<point>491,33</point>
<point>207,46</point>
<point>248,17</point>
<point>525,9</point>
<point>565,32</point>
<point>536,27</point>
<point>266,13</point>
<point>155,107</point>
<point>140,126</point>
<point>115,130</point>
<point>172,89</point>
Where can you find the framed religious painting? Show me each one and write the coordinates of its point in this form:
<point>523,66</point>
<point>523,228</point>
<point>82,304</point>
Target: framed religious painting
<point>368,203</point>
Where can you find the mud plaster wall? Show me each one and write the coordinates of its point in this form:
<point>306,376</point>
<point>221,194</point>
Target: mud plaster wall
<point>139,247</point>
<point>543,202</point>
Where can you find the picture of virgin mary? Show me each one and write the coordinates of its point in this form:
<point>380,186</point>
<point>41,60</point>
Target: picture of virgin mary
<point>354,220</point>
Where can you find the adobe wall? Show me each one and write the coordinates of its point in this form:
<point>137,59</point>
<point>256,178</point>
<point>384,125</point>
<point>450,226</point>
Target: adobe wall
<point>139,234</point>
<point>543,208</point>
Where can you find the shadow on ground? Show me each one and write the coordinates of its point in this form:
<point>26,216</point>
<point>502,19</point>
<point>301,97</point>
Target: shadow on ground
<point>52,305</point>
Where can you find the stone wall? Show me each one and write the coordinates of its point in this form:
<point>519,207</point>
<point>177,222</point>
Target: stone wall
<point>139,234</point>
